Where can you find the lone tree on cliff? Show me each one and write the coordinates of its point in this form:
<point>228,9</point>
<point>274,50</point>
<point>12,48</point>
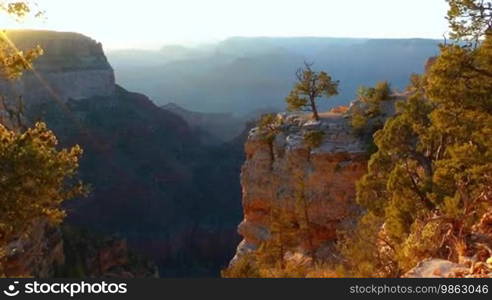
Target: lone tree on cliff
<point>310,87</point>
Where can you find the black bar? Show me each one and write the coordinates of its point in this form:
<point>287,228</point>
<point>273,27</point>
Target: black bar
<point>252,289</point>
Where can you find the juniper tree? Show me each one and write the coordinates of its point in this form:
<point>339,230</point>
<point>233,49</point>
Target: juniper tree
<point>470,20</point>
<point>431,177</point>
<point>310,87</point>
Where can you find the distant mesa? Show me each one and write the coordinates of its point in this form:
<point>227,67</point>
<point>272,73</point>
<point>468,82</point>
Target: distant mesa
<point>242,75</point>
<point>73,67</point>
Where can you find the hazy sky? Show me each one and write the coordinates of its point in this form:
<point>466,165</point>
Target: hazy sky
<point>152,23</point>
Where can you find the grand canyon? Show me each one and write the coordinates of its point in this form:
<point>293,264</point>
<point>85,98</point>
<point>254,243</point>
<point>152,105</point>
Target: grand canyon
<point>195,167</point>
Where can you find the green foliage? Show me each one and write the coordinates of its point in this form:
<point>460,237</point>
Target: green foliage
<point>416,84</point>
<point>310,87</point>
<point>360,248</point>
<point>382,91</point>
<point>244,267</point>
<point>12,61</point>
<point>20,9</point>
<point>358,121</point>
<point>314,138</point>
<point>289,270</point>
<point>373,96</point>
<point>252,266</point>
<point>370,98</point>
<point>424,241</point>
<point>35,178</point>
<point>269,125</point>
<point>470,20</point>
<point>430,180</point>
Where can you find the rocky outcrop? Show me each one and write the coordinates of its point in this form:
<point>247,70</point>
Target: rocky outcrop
<point>434,268</point>
<point>73,66</point>
<point>310,185</point>
<point>37,253</point>
<point>475,260</point>
<point>440,268</point>
<point>48,251</point>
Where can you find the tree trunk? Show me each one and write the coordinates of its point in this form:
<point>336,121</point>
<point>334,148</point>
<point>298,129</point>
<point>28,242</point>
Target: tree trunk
<point>315,110</point>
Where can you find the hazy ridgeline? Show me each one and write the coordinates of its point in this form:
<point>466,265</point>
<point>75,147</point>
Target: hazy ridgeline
<point>243,75</point>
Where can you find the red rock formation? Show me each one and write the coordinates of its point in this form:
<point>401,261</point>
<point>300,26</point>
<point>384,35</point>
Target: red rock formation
<point>277,174</point>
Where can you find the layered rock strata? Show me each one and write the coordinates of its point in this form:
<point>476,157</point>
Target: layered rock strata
<point>314,186</point>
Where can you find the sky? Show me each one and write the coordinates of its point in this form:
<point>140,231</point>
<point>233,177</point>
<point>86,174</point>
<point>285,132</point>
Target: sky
<point>150,24</point>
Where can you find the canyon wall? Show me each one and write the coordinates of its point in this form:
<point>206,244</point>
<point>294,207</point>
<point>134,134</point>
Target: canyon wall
<point>73,66</point>
<point>156,181</point>
<point>314,186</point>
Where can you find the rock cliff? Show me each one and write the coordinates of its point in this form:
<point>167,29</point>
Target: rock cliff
<point>310,185</point>
<point>73,67</point>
